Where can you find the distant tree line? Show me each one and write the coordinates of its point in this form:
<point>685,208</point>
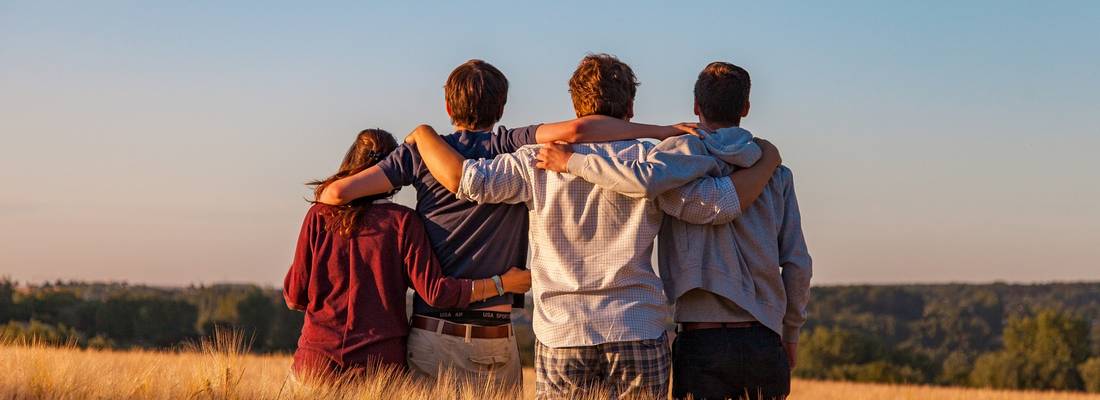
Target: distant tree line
<point>1001,336</point>
<point>118,315</point>
<point>1044,337</point>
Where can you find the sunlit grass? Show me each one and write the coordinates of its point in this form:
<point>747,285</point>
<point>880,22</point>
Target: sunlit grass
<point>223,369</point>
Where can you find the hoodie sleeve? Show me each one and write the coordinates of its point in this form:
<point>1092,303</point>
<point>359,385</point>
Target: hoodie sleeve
<point>794,259</point>
<point>672,163</point>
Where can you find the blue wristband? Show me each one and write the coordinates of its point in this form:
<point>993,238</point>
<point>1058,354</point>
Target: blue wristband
<point>498,284</point>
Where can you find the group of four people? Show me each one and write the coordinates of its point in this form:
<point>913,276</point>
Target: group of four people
<point>722,208</point>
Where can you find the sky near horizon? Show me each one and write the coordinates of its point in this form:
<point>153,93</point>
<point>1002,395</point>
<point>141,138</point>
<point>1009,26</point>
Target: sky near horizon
<point>168,143</point>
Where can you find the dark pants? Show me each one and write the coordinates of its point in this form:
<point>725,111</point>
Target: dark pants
<point>724,363</point>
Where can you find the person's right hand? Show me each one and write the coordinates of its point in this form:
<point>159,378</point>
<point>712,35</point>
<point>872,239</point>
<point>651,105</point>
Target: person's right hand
<point>691,128</point>
<point>769,153</point>
<point>516,280</point>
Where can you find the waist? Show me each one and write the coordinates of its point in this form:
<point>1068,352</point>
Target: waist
<point>461,330</point>
<point>694,326</point>
<point>471,317</point>
<point>498,303</point>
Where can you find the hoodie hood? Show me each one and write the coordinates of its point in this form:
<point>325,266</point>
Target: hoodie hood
<point>734,145</point>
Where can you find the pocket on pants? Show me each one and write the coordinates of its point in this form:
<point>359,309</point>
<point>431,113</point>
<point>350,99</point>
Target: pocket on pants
<point>492,362</point>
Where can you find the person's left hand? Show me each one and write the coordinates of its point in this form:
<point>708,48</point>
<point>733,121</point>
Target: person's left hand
<point>554,157</point>
<point>792,353</point>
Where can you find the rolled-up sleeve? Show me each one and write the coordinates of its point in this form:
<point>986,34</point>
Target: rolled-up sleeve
<point>707,201</point>
<point>504,179</point>
<point>795,261</point>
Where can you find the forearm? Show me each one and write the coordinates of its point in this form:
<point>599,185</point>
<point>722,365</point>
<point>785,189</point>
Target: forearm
<point>368,182</point>
<point>442,160</point>
<point>707,201</point>
<point>483,289</point>
<point>599,128</point>
<point>750,182</point>
<point>648,178</point>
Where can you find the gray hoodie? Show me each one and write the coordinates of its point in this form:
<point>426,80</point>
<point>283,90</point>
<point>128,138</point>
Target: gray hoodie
<point>758,260</point>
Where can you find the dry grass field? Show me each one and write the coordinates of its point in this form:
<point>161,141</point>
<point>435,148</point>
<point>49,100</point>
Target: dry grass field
<point>224,371</point>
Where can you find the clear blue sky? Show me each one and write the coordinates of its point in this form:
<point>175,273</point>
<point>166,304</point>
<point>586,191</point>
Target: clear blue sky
<point>168,143</point>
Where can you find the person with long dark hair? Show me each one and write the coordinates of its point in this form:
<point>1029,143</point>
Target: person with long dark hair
<point>352,267</point>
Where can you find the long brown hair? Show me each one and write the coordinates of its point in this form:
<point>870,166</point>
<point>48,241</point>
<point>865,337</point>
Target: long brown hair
<point>370,147</point>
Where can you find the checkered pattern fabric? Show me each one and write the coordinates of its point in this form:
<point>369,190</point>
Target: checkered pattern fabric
<point>634,369</point>
<point>593,281</point>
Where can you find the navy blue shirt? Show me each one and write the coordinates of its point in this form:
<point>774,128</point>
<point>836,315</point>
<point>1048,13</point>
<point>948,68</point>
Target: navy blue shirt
<point>471,240</point>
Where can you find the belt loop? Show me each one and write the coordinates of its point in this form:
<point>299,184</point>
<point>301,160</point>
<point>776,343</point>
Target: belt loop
<point>439,327</point>
<point>469,331</point>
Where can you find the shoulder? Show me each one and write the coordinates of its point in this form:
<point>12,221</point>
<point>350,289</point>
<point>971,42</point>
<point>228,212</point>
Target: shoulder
<point>686,144</point>
<point>317,209</point>
<point>783,176</point>
<point>394,217</point>
<point>524,153</point>
<point>317,214</point>
<point>682,140</point>
<point>393,209</point>
<point>403,154</point>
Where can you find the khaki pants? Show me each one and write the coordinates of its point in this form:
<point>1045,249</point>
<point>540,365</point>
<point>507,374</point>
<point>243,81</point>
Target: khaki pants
<point>480,362</point>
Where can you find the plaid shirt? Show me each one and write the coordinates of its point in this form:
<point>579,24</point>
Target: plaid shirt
<point>593,281</point>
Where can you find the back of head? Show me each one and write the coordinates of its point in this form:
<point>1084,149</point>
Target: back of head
<point>371,146</point>
<point>603,85</point>
<point>476,92</point>
<point>722,93</point>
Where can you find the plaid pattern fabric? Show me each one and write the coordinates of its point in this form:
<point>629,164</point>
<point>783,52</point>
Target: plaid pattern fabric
<point>593,281</point>
<point>633,369</point>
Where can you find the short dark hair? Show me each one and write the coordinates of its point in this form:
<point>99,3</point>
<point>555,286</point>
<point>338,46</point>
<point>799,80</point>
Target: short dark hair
<point>476,92</point>
<point>722,91</point>
<point>602,85</point>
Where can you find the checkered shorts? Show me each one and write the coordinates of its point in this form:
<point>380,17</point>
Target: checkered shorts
<point>633,369</point>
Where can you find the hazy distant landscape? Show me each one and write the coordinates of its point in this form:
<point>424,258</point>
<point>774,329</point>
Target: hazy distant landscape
<point>1042,336</point>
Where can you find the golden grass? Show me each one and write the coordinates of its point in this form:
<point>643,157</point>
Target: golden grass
<point>223,370</point>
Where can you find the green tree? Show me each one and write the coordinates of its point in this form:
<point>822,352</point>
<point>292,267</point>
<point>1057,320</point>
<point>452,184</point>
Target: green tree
<point>255,314</point>
<point>826,348</point>
<point>38,332</point>
<point>956,369</point>
<point>1041,352</point>
<point>1090,374</point>
<point>286,327</point>
<point>7,299</point>
<point>1001,370</point>
<point>876,371</point>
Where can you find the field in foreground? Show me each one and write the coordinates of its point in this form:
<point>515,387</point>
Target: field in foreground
<point>225,372</point>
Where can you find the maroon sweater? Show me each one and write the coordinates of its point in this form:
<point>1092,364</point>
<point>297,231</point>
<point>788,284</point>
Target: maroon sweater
<point>353,289</point>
